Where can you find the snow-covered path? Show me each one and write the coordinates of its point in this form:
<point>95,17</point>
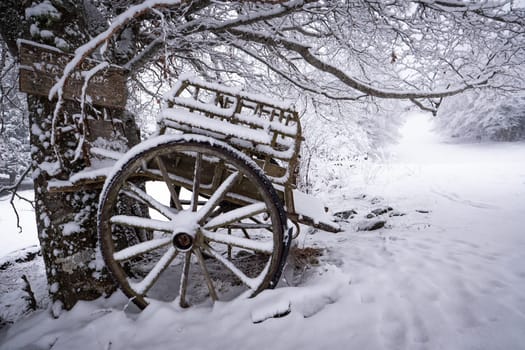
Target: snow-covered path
<point>453,278</point>
<point>448,274</point>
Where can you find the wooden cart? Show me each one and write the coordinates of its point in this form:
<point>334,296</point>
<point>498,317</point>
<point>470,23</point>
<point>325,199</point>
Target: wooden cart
<point>206,209</point>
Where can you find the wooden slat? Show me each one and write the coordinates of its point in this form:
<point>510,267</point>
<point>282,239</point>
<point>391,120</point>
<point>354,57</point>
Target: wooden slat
<point>105,129</point>
<point>41,67</point>
<point>81,185</point>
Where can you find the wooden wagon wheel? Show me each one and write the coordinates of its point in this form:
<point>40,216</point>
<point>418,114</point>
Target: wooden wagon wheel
<point>203,248</point>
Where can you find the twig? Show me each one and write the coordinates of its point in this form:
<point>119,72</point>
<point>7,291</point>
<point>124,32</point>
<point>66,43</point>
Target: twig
<point>423,107</point>
<point>14,189</point>
<point>30,297</point>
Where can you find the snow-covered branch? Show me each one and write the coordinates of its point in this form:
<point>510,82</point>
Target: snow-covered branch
<point>306,53</point>
<point>396,50</point>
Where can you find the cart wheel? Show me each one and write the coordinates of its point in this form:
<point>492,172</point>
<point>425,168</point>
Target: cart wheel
<point>211,243</point>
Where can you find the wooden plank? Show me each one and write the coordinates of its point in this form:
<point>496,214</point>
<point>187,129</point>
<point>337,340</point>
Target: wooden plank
<point>105,129</point>
<point>81,185</point>
<point>41,66</point>
<point>305,220</point>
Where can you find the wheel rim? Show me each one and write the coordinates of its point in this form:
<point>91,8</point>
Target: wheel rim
<point>203,247</point>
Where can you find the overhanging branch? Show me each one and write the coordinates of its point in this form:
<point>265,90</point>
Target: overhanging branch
<point>354,83</point>
<point>317,91</point>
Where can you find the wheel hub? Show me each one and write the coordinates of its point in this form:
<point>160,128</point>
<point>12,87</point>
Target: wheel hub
<point>183,241</point>
<point>185,231</point>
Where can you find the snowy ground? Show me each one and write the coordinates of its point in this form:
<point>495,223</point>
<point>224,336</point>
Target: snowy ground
<point>449,274</point>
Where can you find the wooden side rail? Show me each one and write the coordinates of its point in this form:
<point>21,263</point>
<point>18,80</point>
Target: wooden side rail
<point>265,129</point>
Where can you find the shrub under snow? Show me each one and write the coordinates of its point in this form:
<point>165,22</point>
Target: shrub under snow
<point>483,115</point>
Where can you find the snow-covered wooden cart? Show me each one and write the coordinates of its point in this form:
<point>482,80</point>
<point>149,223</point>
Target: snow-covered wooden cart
<point>205,209</point>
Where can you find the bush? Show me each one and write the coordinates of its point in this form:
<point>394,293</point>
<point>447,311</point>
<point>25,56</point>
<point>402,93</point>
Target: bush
<point>483,115</point>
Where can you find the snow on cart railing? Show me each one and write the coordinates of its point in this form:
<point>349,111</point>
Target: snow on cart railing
<point>265,129</point>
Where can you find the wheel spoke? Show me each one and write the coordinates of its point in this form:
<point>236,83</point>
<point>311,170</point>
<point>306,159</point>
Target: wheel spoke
<point>184,280</point>
<point>209,282</point>
<point>141,248</point>
<point>196,182</point>
<point>229,245</point>
<point>240,242</point>
<point>252,283</point>
<point>217,196</point>
<point>188,202</point>
<point>250,226</point>
<point>245,233</point>
<point>137,221</point>
<point>236,215</point>
<point>169,183</point>
<point>258,224</point>
<point>134,191</point>
<point>143,286</point>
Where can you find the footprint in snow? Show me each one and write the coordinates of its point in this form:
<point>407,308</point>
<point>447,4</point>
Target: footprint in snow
<point>418,328</point>
<point>455,198</point>
<point>392,329</point>
<point>367,298</point>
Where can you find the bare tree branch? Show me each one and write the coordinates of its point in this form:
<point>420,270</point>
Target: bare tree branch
<point>14,194</point>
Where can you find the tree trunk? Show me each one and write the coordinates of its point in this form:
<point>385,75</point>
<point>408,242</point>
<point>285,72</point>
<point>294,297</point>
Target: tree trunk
<point>66,222</point>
